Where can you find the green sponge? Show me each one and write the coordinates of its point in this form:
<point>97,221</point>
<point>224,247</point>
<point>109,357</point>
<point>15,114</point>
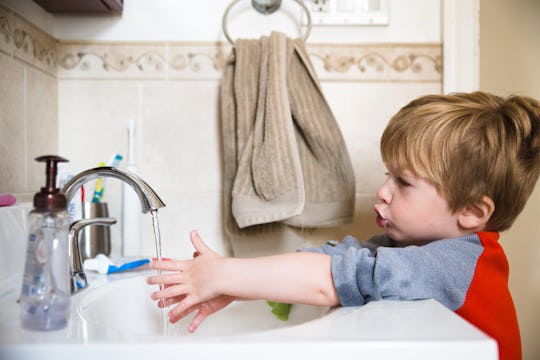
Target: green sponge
<point>280,310</point>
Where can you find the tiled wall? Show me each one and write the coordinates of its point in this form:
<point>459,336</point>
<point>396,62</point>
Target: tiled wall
<point>171,90</point>
<point>28,103</point>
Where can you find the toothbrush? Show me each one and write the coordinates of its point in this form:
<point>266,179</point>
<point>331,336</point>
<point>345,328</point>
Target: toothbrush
<point>131,228</point>
<point>98,193</point>
<point>115,160</point>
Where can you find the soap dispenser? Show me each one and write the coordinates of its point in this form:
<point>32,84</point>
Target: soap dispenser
<point>45,295</point>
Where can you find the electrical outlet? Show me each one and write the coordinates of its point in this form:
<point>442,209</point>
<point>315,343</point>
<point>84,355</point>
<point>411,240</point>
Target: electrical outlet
<point>320,5</point>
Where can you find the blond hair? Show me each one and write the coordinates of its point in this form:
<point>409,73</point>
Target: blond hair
<point>470,145</point>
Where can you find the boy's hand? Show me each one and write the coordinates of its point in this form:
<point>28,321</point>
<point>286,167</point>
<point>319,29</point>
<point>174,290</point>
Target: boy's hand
<point>191,284</point>
<point>205,309</point>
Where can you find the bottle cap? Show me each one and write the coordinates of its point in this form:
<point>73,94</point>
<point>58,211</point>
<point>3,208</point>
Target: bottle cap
<point>50,197</point>
<point>100,264</point>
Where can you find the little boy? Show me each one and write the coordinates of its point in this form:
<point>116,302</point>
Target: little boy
<point>460,169</point>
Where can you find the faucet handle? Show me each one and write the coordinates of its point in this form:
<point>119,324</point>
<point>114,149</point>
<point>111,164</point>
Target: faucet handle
<point>78,275</point>
<point>77,226</point>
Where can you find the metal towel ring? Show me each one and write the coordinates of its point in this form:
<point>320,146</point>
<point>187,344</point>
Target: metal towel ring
<point>264,9</point>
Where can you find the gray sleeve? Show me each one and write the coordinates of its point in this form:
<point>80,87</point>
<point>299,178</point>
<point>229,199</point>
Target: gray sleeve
<point>334,248</point>
<point>442,270</point>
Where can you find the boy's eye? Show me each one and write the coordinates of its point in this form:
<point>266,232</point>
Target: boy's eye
<point>402,182</point>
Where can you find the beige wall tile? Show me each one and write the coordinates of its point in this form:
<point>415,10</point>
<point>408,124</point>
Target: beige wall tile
<point>28,102</point>
<point>12,125</point>
<point>180,156</point>
<point>362,110</point>
<point>31,45</point>
<point>180,135</point>
<point>42,125</point>
<point>184,212</point>
<point>93,118</point>
<point>178,139</point>
<point>6,31</point>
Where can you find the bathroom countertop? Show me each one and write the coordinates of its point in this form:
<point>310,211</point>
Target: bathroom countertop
<point>383,330</point>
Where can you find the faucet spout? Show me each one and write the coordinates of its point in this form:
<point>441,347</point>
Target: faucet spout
<point>150,201</point>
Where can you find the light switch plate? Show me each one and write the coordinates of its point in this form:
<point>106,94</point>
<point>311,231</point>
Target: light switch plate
<point>348,12</point>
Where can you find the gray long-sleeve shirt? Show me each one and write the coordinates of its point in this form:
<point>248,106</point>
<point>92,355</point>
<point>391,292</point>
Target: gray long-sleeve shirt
<point>467,274</point>
<point>381,268</point>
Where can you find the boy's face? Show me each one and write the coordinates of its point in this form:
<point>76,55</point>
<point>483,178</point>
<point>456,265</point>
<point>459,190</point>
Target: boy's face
<point>413,212</point>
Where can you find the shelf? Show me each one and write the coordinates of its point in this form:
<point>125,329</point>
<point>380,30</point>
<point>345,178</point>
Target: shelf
<point>82,7</point>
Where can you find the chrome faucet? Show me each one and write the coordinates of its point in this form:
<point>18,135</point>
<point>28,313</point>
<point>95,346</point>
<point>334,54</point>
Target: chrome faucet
<point>150,202</point>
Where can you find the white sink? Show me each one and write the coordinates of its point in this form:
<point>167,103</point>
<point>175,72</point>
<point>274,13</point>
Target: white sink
<point>115,318</point>
<point>124,307</point>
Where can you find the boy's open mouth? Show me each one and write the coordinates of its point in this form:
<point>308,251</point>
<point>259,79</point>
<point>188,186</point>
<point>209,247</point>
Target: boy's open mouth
<point>381,221</point>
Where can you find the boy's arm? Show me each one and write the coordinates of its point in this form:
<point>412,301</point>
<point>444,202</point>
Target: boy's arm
<point>292,278</point>
<point>302,278</point>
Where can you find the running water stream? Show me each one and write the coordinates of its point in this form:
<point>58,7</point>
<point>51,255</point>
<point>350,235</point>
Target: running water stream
<point>157,240</point>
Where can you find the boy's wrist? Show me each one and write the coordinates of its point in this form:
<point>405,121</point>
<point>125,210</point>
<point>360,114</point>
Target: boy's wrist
<point>223,276</point>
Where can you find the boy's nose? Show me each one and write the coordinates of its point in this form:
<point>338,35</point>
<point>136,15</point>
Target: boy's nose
<point>384,193</point>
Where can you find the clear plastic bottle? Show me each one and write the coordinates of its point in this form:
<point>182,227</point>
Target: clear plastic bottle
<point>45,295</point>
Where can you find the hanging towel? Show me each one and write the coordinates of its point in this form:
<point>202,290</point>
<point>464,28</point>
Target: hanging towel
<point>285,159</point>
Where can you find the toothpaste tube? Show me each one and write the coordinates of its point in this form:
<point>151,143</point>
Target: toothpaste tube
<point>103,265</point>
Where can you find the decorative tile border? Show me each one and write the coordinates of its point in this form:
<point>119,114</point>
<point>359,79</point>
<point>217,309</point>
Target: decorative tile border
<point>197,60</point>
<point>378,62</point>
<point>24,41</point>
<point>187,61</point>
<point>113,61</point>
<point>202,61</point>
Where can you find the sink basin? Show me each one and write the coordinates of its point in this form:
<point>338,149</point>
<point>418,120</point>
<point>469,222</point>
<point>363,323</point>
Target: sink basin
<point>115,318</point>
<point>124,308</point>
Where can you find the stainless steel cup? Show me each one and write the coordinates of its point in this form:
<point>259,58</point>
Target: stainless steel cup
<point>95,239</point>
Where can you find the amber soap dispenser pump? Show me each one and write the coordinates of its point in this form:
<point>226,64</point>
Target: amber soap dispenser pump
<point>45,295</point>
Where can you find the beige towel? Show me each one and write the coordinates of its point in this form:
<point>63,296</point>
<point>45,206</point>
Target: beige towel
<point>284,156</point>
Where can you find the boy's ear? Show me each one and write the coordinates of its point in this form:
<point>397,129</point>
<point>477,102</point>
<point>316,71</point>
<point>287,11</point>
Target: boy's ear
<point>476,216</point>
